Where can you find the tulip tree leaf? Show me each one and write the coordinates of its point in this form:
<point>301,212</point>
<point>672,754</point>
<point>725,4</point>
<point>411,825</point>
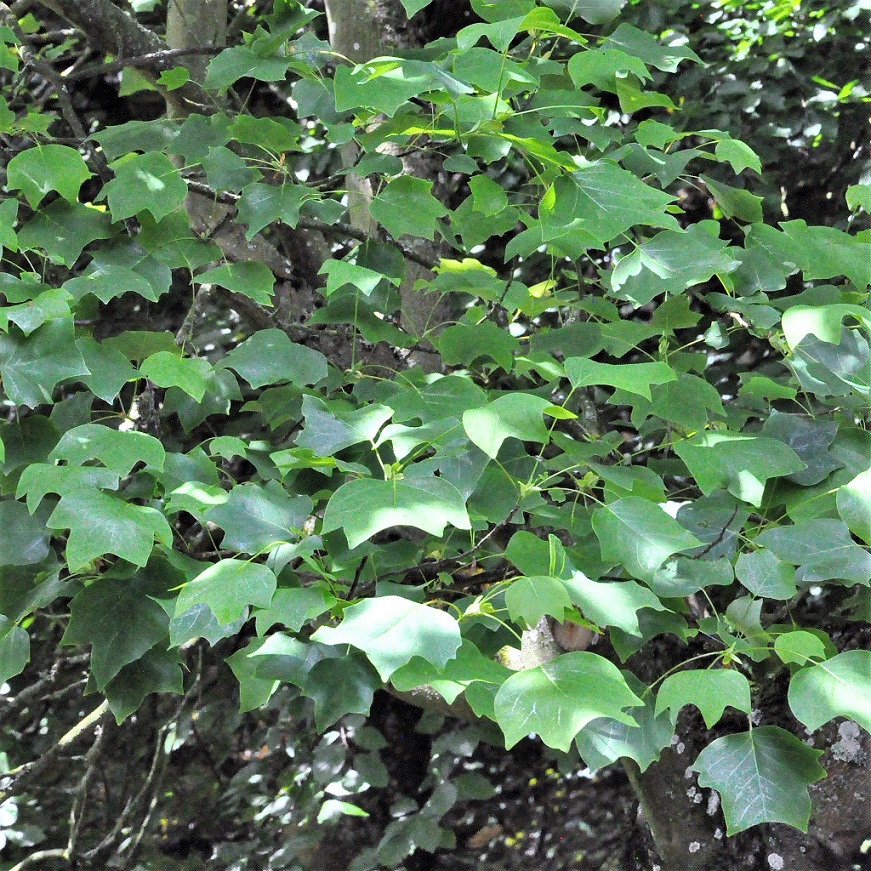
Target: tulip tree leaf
<point>406,205</point>
<point>228,587</point>
<point>429,503</point>
<point>762,777</point>
<point>391,630</point>
<point>557,699</point>
<point>710,690</point>
<point>101,524</point>
<point>837,687</point>
<point>145,182</point>
<point>639,535</point>
<point>531,598</point>
<point>515,415</point>
<point>14,649</point>
<point>270,357</point>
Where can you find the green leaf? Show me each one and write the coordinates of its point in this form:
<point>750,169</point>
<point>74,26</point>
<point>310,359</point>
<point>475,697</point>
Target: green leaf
<point>156,135</point>
<point>612,603</point>
<point>8,216</point>
<point>261,204</point>
<point>762,777</point>
<point>465,343</point>
<point>157,671</point>
<point>242,61</point>
<point>412,7</point>
<point>36,171</point>
<point>37,479</point>
<point>391,630</point>
<point>146,182</point>
<point>254,691</point>
<point>63,229</point>
<point>117,450</point>
<point>632,377</point>
<point>119,619</point>
<point>647,48</point>
<point>293,607</point>
<point>604,200</point>
<point>339,273</point>
<point>100,524</point>
<point>639,535</point>
<point>173,79</point>
<point>256,518</point>
<point>341,686</point>
<point>823,550</point>
<point>557,699</point>
<point>332,428</point>
<point>250,278</point>
<point>854,505</point>
<point>171,370</point>
<point>740,463</point>
<point>799,647</point>
<point>837,687</point>
<point>515,415</point>
<point>739,155</point>
<point>735,202</point>
<point>810,439</point>
<point>25,540</point>
<point>31,366</point>
<point>488,197</point>
<point>765,575</point>
<point>14,649</point>
<point>683,576</point>
<point>228,587</point>
<point>270,357</point>
<point>710,690</point>
<point>427,503</point>
<point>406,205</point>
<point>531,598</point>
<point>858,196</point>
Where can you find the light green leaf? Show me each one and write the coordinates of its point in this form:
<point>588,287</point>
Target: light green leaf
<point>762,777</point>
<point>228,587</point>
<point>557,699</point>
<point>8,216</point>
<point>391,630</point>
<point>611,603</point>
<point>735,202</point>
<point>270,357</point>
<point>859,197</point>
<point>799,647</point>
<point>639,535</point>
<point>632,377</point>
<point>489,198</point>
<point>117,450</point>
<point>340,272</point>
<point>145,182</point>
<point>738,462</point>
<point>765,575</point>
<point>171,370</point>
<point>119,619</point>
<point>683,576</point>
<point>241,61</point>
<point>332,809</point>
<point>738,154</point>
<point>429,504</point>
<point>173,79</point>
<point>100,524</point>
<point>250,278</point>
<point>710,690</point>
<point>515,415</point>
<point>406,205</point>
<point>36,171</point>
<point>531,598</point>
<point>412,7</point>
<point>254,691</point>
<point>854,505</point>
<point>838,687</point>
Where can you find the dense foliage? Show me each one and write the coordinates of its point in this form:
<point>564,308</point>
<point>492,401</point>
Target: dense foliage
<point>473,371</point>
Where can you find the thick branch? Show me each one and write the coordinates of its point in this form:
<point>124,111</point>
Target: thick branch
<point>112,31</point>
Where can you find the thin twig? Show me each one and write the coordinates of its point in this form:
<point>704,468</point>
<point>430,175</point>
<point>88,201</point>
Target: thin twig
<point>40,856</point>
<point>50,74</point>
<point>153,59</point>
<point>78,806</point>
